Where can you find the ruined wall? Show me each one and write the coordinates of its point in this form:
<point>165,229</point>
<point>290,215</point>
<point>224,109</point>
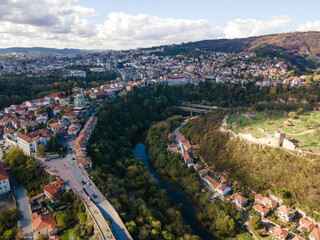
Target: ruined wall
<point>288,145</point>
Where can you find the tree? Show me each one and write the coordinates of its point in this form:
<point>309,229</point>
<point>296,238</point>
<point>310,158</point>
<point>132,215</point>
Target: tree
<point>42,237</point>
<point>29,129</point>
<point>256,222</point>
<point>82,217</point>
<point>76,231</point>
<point>41,149</point>
<point>132,226</point>
<point>292,115</point>
<point>300,111</point>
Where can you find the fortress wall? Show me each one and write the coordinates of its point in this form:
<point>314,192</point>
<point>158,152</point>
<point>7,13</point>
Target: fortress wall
<point>288,145</point>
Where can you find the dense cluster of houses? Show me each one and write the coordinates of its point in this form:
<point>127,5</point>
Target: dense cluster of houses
<point>80,145</point>
<point>137,65</point>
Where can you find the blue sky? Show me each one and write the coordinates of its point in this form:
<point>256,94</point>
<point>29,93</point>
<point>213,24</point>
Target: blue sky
<point>124,24</point>
<point>217,12</point>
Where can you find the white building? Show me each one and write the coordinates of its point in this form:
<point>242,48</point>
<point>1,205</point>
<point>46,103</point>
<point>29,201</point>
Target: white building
<point>4,181</point>
<point>29,145</point>
<point>78,73</point>
<point>176,80</point>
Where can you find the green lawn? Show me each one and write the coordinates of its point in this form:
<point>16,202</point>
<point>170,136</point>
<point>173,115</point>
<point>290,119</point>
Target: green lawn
<point>266,124</point>
<point>67,235</point>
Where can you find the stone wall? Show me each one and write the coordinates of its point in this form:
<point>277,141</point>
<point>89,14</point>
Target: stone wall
<point>288,145</point>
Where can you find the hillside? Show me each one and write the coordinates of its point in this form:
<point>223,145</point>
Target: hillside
<point>300,48</point>
<point>293,178</point>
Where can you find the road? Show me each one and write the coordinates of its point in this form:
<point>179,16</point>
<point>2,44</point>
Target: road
<point>78,179</point>
<point>177,134</point>
<point>107,210</point>
<point>23,205</point>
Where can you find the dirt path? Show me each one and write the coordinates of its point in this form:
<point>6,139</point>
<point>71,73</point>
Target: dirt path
<point>299,134</point>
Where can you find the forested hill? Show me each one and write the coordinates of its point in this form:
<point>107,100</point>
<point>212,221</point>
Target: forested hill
<point>301,48</point>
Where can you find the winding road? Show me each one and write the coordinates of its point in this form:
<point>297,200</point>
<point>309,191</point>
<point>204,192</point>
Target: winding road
<point>25,221</point>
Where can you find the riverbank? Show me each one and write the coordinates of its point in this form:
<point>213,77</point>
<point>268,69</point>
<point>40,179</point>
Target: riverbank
<point>219,217</point>
<point>178,197</point>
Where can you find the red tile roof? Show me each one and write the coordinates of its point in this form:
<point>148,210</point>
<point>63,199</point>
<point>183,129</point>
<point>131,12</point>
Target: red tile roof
<point>315,234</point>
<point>43,221</point>
<point>281,233</point>
<point>85,161</point>
<point>3,174</point>
<point>25,138</point>
<point>54,187</point>
<point>262,209</point>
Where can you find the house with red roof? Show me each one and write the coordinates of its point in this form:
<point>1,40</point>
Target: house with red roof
<point>269,202</point>
<point>44,224</point>
<point>4,181</point>
<point>264,211</point>
<point>258,198</point>
<point>240,200</point>
<point>286,214</point>
<point>304,223</point>
<point>280,233</point>
<point>315,234</point>
<point>187,157</point>
<point>54,190</point>
<point>85,162</point>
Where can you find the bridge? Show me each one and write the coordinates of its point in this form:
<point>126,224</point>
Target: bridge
<point>197,108</point>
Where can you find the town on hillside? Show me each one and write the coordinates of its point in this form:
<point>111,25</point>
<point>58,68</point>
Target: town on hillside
<point>140,64</point>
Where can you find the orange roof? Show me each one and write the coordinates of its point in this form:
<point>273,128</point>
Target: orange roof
<point>315,234</point>
<point>306,224</point>
<point>262,209</point>
<point>25,138</point>
<point>187,155</point>
<point>269,201</point>
<point>183,139</point>
<point>35,197</point>
<point>53,95</point>
<point>212,181</point>
<point>258,197</point>
<point>240,198</point>
<point>54,187</point>
<point>43,221</point>
<point>85,161</point>
<point>286,210</point>
<point>3,174</point>
<point>279,232</point>
<point>203,171</point>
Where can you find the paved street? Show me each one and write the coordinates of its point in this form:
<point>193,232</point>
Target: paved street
<point>78,179</point>
<point>23,205</point>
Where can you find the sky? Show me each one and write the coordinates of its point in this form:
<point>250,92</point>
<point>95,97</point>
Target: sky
<point>126,24</point>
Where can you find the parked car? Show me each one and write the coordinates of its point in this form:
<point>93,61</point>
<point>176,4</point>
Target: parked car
<point>83,182</point>
<point>89,184</point>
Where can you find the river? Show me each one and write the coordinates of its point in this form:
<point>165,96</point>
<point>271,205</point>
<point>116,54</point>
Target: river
<point>178,197</point>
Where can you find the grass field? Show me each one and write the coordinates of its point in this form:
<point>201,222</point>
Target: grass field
<point>67,235</point>
<point>306,129</point>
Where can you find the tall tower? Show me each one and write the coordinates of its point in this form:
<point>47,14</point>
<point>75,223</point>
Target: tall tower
<point>279,136</point>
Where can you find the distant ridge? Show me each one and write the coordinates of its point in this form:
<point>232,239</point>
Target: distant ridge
<point>64,51</point>
<point>302,49</point>
<point>299,43</point>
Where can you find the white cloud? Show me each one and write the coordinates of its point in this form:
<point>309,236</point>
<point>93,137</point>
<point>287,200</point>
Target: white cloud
<point>64,23</point>
<point>145,30</point>
<point>252,27</point>
<point>309,26</point>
